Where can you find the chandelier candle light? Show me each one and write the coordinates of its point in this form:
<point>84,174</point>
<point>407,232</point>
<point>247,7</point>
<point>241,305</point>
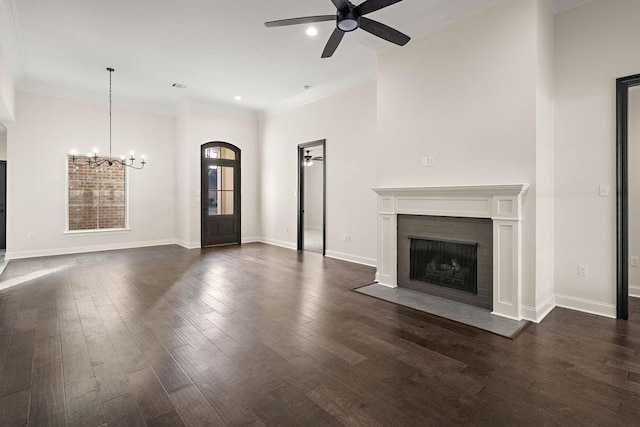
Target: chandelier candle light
<point>94,161</point>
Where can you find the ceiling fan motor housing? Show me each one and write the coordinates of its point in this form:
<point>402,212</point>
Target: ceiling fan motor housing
<point>348,21</point>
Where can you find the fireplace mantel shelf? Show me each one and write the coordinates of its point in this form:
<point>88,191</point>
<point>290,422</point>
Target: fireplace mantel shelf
<point>502,203</point>
<point>467,190</point>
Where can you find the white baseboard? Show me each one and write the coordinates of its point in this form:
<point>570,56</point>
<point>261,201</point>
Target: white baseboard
<point>188,245</point>
<point>587,306</point>
<point>10,255</point>
<point>634,291</point>
<point>3,265</point>
<point>252,239</point>
<point>537,314</point>
<point>371,262</point>
<point>280,243</point>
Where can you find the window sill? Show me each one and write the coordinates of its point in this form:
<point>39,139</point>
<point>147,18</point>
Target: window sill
<point>77,233</point>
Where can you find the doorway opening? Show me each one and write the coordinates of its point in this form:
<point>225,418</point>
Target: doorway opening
<point>625,125</point>
<point>3,209</point>
<point>312,185</point>
<point>220,194</point>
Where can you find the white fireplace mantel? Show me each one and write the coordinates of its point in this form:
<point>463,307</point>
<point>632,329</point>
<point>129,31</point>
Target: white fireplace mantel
<point>501,203</point>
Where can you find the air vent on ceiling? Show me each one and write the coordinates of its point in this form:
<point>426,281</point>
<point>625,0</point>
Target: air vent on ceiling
<point>179,85</point>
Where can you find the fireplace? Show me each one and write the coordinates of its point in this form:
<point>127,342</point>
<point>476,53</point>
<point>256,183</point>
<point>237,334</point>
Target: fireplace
<point>444,263</point>
<point>500,206</point>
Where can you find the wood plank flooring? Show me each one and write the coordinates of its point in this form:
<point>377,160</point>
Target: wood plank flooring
<point>258,335</point>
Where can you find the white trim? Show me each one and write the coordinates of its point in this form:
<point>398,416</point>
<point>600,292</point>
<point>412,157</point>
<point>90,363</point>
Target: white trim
<point>85,249</point>
<point>188,245</point>
<point>634,291</point>
<point>251,239</point>
<point>78,233</point>
<point>3,265</point>
<point>439,16</point>
<point>371,262</point>
<point>279,243</point>
<point>572,4</point>
<point>538,314</point>
<point>502,203</point>
<point>586,305</point>
<point>332,87</point>
<point>98,231</point>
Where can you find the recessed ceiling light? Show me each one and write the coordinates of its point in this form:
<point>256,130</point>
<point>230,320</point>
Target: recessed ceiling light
<point>237,98</point>
<point>312,31</point>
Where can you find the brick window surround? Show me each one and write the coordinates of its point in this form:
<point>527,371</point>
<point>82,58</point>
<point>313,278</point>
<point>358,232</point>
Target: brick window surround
<point>96,196</point>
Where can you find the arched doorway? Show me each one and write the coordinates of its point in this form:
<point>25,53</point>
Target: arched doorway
<point>220,192</point>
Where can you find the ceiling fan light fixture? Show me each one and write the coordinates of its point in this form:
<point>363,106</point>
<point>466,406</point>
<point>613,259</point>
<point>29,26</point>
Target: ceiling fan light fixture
<point>348,22</point>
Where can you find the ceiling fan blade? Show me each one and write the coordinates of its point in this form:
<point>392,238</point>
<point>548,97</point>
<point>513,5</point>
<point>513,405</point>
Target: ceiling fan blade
<point>373,5</point>
<point>341,5</point>
<point>298,21</point>
<point>333,43</point>
<point>383,31</point>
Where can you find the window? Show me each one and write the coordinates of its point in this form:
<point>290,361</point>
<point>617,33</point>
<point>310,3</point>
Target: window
<point>96,196</point>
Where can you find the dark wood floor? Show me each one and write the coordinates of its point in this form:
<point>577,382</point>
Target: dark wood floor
<point>258,335</point>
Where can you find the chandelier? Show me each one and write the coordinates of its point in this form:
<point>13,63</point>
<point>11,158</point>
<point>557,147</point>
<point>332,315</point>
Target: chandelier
<point>93,160</point>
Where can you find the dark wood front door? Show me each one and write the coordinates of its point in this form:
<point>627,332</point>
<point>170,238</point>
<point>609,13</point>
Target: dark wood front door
<point>3,205</point>
<point>220,194</point>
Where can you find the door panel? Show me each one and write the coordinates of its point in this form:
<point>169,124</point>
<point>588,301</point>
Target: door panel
<point>3,204</point>
<point>221,195</point>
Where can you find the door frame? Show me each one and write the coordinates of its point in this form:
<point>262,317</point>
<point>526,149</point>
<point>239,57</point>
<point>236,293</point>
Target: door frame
<point>623,85</point>
<point>301,150</point>
<point>237,186</point>
<point>4,225</point>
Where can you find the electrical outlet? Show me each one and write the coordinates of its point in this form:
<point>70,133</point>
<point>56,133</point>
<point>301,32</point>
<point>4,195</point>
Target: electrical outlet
<point>30,235</point>
<point>286,228</point>
<point>583,270</point>
<point>605,191</point>
<point>635,261</point>
<point>347,238</point>
<point>428,161</point>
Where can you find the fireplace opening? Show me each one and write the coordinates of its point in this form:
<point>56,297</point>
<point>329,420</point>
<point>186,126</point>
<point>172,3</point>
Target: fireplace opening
<point>447,263</point>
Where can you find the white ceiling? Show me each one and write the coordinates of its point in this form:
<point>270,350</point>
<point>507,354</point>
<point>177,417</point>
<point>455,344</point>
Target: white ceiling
<point>218,48</point>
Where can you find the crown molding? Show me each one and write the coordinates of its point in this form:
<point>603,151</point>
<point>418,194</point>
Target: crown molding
<point>440,16</point>
<point>10,40</point>
<point>78,94</point>
<point>221,108</point>
<point>559,6</point>
<point>180,107</point>
<point>332,87</point>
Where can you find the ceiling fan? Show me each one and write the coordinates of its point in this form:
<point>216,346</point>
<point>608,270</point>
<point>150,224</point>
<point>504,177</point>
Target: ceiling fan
<point>309,159</point>
<point>350,17</point>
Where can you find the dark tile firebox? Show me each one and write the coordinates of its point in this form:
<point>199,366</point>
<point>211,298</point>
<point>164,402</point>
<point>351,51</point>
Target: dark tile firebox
<point>476,290</point>
<point>446,263</point>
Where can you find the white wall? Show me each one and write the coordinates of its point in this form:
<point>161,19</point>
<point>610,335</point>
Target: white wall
<point>348,123</point>
<point>544,298</point>
<point>595,44</point>
<point>46,129</point>
<point>7,92</point>
<point>634,187</point>
<point>466,94</point>
<point>194,129</point>
<point>3,143</point>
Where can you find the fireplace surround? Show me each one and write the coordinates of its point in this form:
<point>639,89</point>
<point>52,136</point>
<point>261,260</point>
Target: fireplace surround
<point>501,203</point>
